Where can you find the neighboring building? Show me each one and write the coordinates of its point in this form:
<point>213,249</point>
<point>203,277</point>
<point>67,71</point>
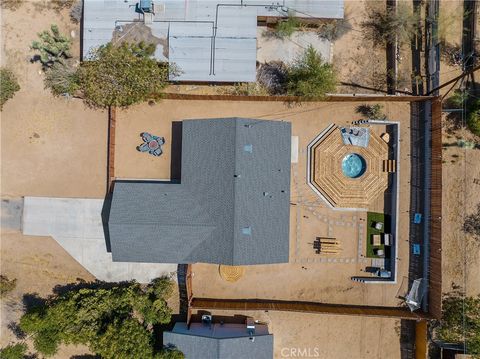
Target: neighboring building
<point>208,40</point>
<point>232,206</point>
<point>222,341</point>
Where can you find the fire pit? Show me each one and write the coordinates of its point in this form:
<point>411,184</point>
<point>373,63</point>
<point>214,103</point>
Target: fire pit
<point>151,144</point>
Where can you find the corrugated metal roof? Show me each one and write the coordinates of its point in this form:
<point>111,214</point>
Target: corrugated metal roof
<point>222,191</point>
<point>190,25</point>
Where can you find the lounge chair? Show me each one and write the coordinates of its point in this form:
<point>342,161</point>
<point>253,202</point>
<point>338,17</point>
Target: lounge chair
<point>143,147</point>
<point>387,239</point>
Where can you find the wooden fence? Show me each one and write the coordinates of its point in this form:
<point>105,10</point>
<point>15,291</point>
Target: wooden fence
<point>293,99</point>
<point>435,270</point>
<point>188,284</point>
<point>112,121</point>
<point>306,307</point>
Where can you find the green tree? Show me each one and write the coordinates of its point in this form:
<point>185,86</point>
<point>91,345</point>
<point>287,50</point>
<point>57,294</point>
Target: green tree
<point>14,351</point>
<point>122,75</point>
<point>382,26</point>
<point>53,47</point>
<point>309,76</point>
<point>124,339</point>
<point>473,121</point>
<point>114,322</point>
<point>461,320</point>
<point>469,102</point>
<point>8,85</point>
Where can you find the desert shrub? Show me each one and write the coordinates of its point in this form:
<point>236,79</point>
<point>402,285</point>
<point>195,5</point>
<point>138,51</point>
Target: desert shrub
<point>372,112</point>
<point>11,4</point>
<point>14,351</point>
<point>309,76</point>
<point>76,12</point>
<point>122,75</point>
<point>461,320</point>
<point>8,85</point>
<point>286,28</point>
<point>62,79</point>
<point>451,54</point>
<point>457,100</point>
<point>382,26</point>
<point>6,285</point>
<point>53,47</point>
<point>333,29</point>
<point>59,5</point>
<point>245,89</point>
<point>273,76</point>
<point>471,225</point>
<point>473,124</point>
<point>115,321</point>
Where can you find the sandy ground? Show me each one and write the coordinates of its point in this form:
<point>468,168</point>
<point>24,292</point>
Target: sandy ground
<point>58,143</point>
<point>461,252</point>
<point>329,336</point>
<point>332,278</point>
<point>49,147</point>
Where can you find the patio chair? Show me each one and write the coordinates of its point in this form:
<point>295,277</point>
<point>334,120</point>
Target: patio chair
<point>383,273</point>
<point>143,147</point>
<point>379,252</point>
<point>157,152</point>
<point>378,226</point>
<point>146,136</point>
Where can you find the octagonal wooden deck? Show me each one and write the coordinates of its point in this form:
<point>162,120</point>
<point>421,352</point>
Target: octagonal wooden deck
<point>327,178</point>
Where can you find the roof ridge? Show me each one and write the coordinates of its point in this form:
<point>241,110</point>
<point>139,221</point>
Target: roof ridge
<point>236,122</point>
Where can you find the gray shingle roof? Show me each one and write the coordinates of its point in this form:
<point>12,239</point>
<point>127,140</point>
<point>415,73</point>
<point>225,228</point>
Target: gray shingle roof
<point>227,345</point>
<point>231,207</point>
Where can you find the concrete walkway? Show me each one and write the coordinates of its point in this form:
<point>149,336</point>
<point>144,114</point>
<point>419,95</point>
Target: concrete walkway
<point>76,225</point>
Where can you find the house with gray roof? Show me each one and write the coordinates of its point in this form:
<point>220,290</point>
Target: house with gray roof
<point>232,205</point>
<point>221,340</point>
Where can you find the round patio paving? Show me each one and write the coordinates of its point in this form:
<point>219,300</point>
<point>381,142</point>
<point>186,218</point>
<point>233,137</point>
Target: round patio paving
<point>231,273</point>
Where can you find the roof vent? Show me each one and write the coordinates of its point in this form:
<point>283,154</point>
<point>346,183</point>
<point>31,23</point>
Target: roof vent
<point>247,231</point>
<point>248,148</point>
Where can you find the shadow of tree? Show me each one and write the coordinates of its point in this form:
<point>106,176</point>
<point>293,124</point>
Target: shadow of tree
<point>81,284</point>
<point>16,330</point>
<point>32,300</point>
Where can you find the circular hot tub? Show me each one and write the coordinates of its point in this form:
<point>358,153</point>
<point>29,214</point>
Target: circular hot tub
<point>353,165</point>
